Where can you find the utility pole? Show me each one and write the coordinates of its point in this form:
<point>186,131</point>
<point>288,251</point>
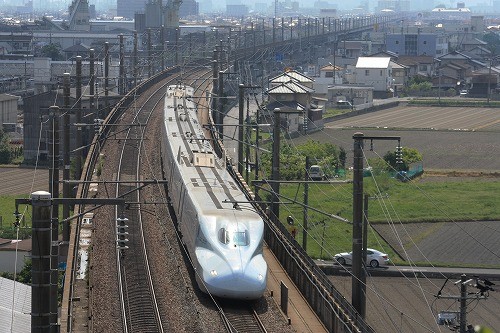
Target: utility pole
<point>241,109</point>
<point>92,83</point>
<point>275,173</point>
<point>41,318</point>
<point>358,297</point>
<point>220,108</point>
<point>247,141</point>
<point>162,41</point>
<point>54,221</point>
<point>463,303</point>
<point>176,46</point>
<point>67,148</point>
<point>274,30</point>
<point>489,82</point>
<point>135,59</point>
<point>215,73</point>
<point>257,133</point>
<point>306,203</point>
<point>363,256</point>
<point>241,106</point>
<point>106,79</point>
<point>449,318</point>
<point>121,86</point>
<point>150,53</point>
<point>78,117</point>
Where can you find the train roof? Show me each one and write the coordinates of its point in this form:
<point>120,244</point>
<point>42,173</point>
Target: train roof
<point>203,172</point>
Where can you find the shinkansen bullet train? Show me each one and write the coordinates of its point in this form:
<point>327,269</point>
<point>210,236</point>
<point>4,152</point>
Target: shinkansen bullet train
<point>222,233</point>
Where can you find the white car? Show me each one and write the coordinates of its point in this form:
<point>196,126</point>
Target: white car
<point>374,258</point>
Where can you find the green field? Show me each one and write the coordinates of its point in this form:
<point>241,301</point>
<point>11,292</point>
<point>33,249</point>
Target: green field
<point>7,209</point>
<point>390,201</point>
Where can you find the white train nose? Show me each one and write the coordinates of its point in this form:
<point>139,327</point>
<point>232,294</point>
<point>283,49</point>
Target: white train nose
<point>241,286</point>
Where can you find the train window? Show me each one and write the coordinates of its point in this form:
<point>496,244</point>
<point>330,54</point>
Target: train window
<point>223,236</point>
<point>240,238</point>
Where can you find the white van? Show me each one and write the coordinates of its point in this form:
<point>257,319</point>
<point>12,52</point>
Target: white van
<point>316,173</point>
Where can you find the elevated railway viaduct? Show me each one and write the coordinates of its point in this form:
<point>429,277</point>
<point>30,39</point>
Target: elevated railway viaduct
<point>334,310</point>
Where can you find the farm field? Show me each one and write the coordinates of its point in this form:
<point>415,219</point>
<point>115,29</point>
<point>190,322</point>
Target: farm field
<point>425,117</point>
<point>17,181</point>
<point>448,137</point>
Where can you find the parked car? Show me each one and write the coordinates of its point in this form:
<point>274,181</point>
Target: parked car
<point>374,258</point>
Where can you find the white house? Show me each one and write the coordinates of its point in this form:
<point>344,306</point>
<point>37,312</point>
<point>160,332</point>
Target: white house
<point>8,257</point>
<point>375,72</point>
<point>328,75</point>
<point>291,76</point>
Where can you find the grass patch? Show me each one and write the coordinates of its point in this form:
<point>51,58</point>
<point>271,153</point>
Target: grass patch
<point>335,112</point>
<point>455,200</point>
<point>7,209</point>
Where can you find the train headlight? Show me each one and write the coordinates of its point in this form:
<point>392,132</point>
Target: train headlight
<point>213,272</point>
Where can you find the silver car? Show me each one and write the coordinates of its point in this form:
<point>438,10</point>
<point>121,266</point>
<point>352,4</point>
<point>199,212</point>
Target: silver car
<point>374,258</point>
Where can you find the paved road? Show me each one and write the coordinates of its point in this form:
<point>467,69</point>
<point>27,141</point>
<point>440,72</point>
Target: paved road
<point>333,268</point>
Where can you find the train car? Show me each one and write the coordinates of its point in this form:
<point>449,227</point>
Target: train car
<point>224,239</point>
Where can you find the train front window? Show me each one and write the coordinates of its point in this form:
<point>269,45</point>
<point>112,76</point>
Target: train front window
<point>237,238</point>
<point>240,238</point>
<point>224,236</point>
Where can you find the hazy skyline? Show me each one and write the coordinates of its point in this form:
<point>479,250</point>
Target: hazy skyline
<point>220,5</point>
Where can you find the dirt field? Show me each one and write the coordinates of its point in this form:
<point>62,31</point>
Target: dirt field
<point>458,243</point>
<point>448,138</point>
<point>15,181</point>
<point>408,305</point>
<point>432,118</point>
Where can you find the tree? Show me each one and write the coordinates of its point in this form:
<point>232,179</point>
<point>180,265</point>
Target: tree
<point>52,51</point>
<point>493,41</point>
<point>24,275</point>
<point>292,159</point>
<point>5,151</point>
<point>410,155</point>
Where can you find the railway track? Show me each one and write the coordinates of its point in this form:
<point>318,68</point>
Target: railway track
<point>239,316</point>
<point>139,306</point>
<point>138,300</point>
